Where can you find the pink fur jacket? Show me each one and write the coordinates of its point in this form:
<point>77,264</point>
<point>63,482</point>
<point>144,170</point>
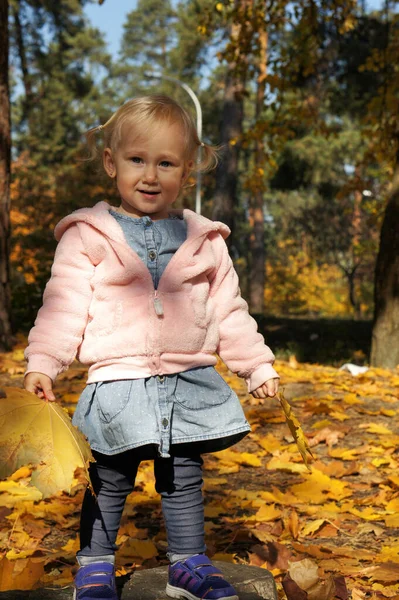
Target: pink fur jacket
<point>100,306</point>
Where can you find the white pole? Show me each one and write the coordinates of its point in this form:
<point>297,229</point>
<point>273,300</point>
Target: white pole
<point>199,130</point>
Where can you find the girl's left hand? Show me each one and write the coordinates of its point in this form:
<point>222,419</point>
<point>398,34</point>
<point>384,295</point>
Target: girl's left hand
<point>269,388</point>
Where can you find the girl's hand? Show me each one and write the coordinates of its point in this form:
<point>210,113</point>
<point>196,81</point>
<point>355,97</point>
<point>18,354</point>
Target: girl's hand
<point>39,384</point>
<point>269,388</point>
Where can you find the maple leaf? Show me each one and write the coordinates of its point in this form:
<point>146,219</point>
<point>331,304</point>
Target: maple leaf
<point>296,429</point>
<point>40,433</point>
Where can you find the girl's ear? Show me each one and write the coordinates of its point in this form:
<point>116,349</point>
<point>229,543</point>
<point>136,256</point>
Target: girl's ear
<point>108,163</point>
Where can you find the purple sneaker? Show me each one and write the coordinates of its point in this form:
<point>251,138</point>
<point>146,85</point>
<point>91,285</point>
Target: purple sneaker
<point>196,578</point>
<point>95,582</point>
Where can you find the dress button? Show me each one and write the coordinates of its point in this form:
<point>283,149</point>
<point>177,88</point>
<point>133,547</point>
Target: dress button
<point>165,422</point>
<point>152,254</point>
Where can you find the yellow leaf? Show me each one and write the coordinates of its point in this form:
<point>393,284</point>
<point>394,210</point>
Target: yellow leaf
<point>392,521</point>
<point>242,458</point>
<point>12,493</point>
<point>352,399</point>
<point>214,510</point>
<point>340,416</point>
<point>138,548</point>
<point>321,424</point>
<point>268,442</point>
<point>389,591</point>
<point>20,574</point>
<point>219,7</point>
<point>296,429</point>
<point>224,557</point>
<point>375,428</point>
<point>279,497</point>
<point>379,462</point>
<point>284,465</point>
<point>388,553</point>
<point>388,412</point>
<point>393,505</point>
<point>267,513</point>
<point>21,473</point>
<point>344,453</point>
<point>72,545</point>
<point>225,469</point>
<point>40,433</point>
<point>317,487</point>
<point>368,514</point>
<point>312,527</point>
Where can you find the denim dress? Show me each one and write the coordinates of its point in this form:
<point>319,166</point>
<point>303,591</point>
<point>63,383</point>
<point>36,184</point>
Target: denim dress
<point>191,411</point>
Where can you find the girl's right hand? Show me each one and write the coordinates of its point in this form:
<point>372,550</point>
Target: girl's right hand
<point>39,384</point>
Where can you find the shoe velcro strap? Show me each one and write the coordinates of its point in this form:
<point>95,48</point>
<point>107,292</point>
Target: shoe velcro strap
<point>200,560</point>
<point>207,570</point>
<point>98,579</point>
<point>97,574</point>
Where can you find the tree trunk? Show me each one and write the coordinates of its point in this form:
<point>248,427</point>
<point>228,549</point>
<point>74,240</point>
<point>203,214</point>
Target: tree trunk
<point>356,233</point>
<point>231,129</point>
<point>385,338</point>
<point>257,217</point>
<point>5,163</point>
<point>227,169</point>
<point>28,100</point>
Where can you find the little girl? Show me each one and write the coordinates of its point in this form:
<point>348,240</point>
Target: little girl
<point>146,295</point>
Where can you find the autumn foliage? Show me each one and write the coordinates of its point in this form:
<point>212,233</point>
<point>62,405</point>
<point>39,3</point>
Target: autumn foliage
<point>262,506</point>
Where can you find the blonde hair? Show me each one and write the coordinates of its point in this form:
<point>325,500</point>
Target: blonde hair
<point>148,110</point>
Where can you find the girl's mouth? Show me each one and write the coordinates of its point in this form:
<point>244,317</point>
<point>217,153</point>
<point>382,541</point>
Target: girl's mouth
<point>148,192</point>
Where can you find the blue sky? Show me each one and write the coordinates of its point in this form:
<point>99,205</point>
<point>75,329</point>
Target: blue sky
<point>109,19</point>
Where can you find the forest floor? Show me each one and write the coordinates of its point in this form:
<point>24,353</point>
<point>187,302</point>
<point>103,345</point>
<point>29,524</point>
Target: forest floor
<point>262,506</point>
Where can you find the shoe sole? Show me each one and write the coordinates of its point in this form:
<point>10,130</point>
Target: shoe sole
<point>175,592</point>
<point>74,595</point>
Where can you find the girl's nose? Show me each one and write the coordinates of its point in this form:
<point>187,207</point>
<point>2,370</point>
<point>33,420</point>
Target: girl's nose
<point>150,174</point>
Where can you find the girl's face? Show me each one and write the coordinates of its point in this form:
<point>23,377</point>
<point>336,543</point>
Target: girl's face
<point>149,169</point>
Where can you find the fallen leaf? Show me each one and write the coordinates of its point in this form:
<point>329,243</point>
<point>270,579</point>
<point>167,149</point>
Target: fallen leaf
<point>312,527</point>
<point>304,573</point>
<point>138,548</point>
<point>20,574</point>
<point>242,458</point>
<point>267,513</point>
<point>330,437</point>
<point>358,594</point>
<point>296,429</point>
<point>375,428</point>
<point>317,487</point>
<point>293,524</point>
<point>40,433</point>
<point>283,465</point>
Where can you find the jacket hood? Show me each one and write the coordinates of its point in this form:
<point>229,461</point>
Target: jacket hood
<point>98,217</point>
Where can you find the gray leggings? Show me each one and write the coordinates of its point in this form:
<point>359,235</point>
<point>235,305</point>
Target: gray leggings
<point>178,481</point>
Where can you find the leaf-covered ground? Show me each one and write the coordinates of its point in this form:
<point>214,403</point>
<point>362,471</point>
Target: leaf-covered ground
<point>262,506</point>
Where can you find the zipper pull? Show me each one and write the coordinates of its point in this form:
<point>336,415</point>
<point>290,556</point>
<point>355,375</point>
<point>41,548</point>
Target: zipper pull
<point>158,305</point>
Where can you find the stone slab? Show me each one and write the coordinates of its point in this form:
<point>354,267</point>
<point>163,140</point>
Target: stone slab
<point>251,583</point>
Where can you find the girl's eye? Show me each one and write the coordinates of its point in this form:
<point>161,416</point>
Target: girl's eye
<point>165,163</point>
<point>136,159</point>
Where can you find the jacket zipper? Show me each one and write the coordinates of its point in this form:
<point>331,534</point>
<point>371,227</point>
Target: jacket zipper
<point>158,305</point>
